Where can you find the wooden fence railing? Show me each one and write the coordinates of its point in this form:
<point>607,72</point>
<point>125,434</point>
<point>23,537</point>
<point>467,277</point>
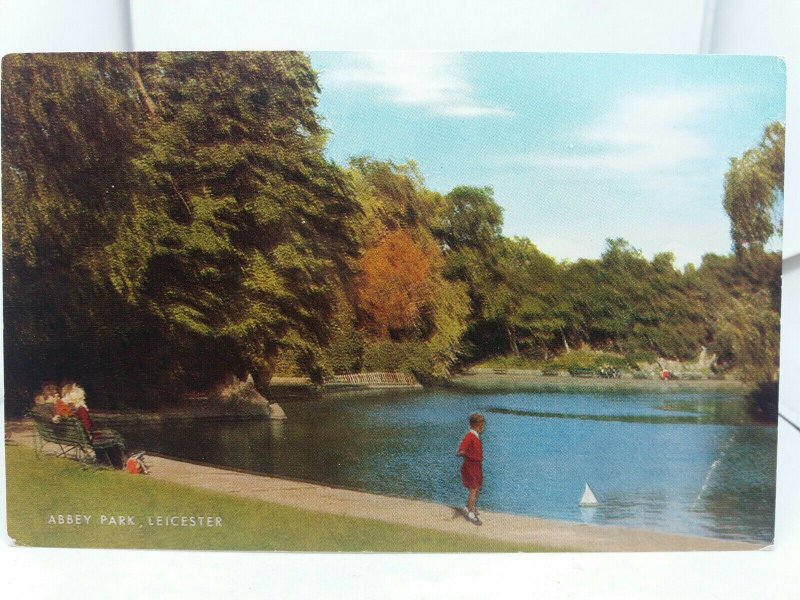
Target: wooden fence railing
<point>388,378</point>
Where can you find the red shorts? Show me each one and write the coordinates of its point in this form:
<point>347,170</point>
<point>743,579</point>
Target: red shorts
<point>471,474</point>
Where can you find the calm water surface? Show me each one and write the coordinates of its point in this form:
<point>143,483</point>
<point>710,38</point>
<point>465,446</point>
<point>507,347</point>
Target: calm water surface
<point>682,462</point>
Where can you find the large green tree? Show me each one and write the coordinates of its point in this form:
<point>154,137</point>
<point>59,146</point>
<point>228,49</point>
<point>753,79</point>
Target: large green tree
<point>748,324</point>
<point>753,189</point>
<point>166,216</point>
<point>626,303</point>
<point>400,281</point>
<point>70,131</point>
<point>470,232</point>
<point>529,304</point>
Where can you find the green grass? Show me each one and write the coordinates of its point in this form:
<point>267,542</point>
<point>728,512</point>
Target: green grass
<point>38,488</point>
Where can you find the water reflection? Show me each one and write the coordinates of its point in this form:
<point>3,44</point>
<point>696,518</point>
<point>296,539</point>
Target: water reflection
<point>742,486</point>
<point>684,462</point>
<point>588,514</point>
<point>277,430</point>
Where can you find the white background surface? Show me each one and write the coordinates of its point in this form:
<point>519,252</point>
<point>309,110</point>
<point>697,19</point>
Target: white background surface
<point>680,26</point>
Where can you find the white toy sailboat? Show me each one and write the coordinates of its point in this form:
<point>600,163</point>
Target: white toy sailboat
<point>588,498</point>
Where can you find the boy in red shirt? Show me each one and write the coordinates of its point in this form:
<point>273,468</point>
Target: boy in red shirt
<point>471,450</point>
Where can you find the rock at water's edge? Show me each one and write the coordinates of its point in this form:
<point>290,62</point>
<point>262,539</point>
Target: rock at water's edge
<point>240,397</point>
<point>276,412</point>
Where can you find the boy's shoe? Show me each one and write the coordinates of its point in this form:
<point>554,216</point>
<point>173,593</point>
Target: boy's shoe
<point>472,518</point>
<point>465,510</point>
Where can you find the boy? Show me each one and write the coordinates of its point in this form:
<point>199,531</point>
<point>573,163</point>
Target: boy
<point>471,450</point>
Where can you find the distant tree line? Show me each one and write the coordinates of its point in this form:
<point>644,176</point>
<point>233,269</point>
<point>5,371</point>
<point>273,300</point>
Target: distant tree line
<point>169,219</point>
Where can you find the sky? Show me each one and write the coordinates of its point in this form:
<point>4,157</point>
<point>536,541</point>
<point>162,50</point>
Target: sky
<point>577,148</point>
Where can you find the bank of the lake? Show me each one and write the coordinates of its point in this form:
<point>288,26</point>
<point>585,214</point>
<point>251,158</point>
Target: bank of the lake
<point>677,457</point>
<point>482,379</point>
<point>298,389</point>
<point>39,489</point>
<point>689,462</point>
<point>185,505</point>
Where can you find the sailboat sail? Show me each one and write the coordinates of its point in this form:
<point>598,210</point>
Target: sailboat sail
<point>588,498</point>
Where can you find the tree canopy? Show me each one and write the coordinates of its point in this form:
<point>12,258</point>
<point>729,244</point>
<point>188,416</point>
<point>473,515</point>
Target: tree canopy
<point>169,219</point>
<point>173,206</point>
<point>753,188</point>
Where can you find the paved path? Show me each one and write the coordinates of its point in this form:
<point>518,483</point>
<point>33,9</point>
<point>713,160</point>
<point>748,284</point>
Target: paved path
<point>555,535</point>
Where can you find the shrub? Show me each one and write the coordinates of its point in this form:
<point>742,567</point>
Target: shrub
<point>408,357</point>
<point>763,401</point>
<point>345,352</point>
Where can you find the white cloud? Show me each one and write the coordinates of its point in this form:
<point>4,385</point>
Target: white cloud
<point>436,82</point>
<point>641,134</point>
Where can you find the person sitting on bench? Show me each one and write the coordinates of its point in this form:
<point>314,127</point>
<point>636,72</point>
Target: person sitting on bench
<point>74,396</point>
<point>44,402</point>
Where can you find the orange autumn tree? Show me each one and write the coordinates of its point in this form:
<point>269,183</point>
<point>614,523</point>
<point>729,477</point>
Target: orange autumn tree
<point>397,283</point>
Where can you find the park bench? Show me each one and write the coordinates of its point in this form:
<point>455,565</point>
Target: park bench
<point>71,438</point>
<point>581,372</point>
<point>608,373</point>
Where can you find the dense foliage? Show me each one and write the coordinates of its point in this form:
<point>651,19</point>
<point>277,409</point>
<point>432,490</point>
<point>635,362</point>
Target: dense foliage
<point>753,190</point>
<point>169,219</point>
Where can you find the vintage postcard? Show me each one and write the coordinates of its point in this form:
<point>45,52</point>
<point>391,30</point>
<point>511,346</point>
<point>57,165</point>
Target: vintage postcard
<point>395,301</point>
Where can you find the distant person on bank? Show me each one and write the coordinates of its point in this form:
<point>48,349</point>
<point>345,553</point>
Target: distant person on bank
<point>471,450</point>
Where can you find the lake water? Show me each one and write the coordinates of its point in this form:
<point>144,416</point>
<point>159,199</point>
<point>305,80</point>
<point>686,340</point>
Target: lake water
<point>679,462</point>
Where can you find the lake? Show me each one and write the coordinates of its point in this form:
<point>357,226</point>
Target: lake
<point>689,462</point>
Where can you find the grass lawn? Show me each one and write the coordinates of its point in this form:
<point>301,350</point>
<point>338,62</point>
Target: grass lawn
<point>39,488</point>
